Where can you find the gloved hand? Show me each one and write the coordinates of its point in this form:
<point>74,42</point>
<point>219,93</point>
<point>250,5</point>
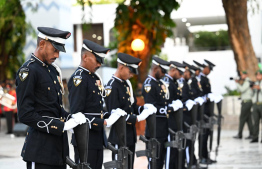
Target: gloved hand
<point>145,113</point>
<point>79,118</point>
<point>218,98</point>
<point>190,104</point>
<point>151,107</point>
<point>211,97</point>
<point>178,103</point>
<point>199,100</point>
<point>112,119</point>
<point>70,124</point>
<point>118,111</point>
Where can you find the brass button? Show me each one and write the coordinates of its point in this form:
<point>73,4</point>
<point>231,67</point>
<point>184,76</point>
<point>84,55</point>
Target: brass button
<point>160,93</point>
<point>48,88</point>
<point>163,96</point>
<point>129,105</point>
<point>23,151</point>
<point>90,73</point>
<point>128,99</point>
<point>165,102</point>
<point>101,111</point>
<point>100,102</point>
<point>61,105</point>
<point>92,76</point>
<point>131,113</point>
<point>46,65</point>
<point>161,90</point>
<point>123,97</point>
<point>95,84</point>
<point>158,84</point>
<point>125,85</point>
<point>48,70</point>
<point>43,64</point>
<point>27,133</point>
<point>58,93</point>
<point>93,91</point>
<point>54,82</point>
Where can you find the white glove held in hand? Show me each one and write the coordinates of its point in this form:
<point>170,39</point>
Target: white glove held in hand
<point>145,113</point>
<point>178,103</point>
<point>174,106</point>
<point>199,100</point>
<point>112,119</point>
<point>190,104</point>
<point>151,107</point>
<point>79,118</point>
<point>118,111</point>
<point>70,124</point>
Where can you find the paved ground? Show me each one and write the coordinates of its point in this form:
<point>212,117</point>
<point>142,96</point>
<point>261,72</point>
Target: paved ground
<point>233,154</point>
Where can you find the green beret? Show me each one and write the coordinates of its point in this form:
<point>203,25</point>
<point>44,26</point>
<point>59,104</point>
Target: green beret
<point>259,71</point>
<point>244,72</point>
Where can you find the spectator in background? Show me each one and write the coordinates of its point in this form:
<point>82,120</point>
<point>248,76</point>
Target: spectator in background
<point>9,111</point>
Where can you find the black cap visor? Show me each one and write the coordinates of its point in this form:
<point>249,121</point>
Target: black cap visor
<point>59,46</point>
<point>163,70</point>
<point>133,70</point>
<point>99,59</point>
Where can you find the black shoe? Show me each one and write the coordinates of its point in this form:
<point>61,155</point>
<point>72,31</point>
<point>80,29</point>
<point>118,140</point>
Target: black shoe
<point>249,137</point>
<point>254,140</point>
<point>205,161</point>
<point>9,132</point>
<point>237,137</point>
<point>212,161</point>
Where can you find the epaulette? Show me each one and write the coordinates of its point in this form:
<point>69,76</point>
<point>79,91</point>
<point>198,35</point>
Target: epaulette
<point>28,62</point>
<point>147,81</point>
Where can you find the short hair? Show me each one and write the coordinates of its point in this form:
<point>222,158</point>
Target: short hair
<point>84,51</point>
<point>38,41</point>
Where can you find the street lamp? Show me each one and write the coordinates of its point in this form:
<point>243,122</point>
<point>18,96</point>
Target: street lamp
<point>137,45</point>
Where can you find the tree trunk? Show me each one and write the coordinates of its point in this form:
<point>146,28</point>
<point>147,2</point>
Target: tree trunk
<point>238,30</point>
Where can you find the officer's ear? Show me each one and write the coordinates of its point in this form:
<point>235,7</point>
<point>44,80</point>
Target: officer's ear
<point>42,44</point>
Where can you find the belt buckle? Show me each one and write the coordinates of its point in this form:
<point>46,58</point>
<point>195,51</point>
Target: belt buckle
<point>102,115</point>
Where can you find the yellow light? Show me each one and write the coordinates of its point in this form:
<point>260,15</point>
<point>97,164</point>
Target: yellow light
<point>137,45</point>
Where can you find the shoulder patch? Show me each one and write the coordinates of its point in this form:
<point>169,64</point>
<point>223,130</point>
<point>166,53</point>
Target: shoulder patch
<point>147,87</point>
<point>77,80</point>
<point>108,90</point>
<point>23,73</point>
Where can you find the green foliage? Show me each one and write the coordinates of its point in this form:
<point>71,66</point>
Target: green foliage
<point>211,39</point>
<point>231,92</point>
<point>12,37</point>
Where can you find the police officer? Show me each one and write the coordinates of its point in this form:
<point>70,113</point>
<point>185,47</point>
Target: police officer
<point>257,106</point>
<point>39,100</point>
<point>246,105</point>
<point>175,96</point>
<point>156,92</point>
<point>206,87</point>
<point>119,94</point>
<point>85,96</point>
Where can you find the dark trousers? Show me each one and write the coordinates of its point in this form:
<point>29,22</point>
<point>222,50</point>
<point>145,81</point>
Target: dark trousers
<point>30,165</point>
<point>257,115</point>
<point>95,158</point>
<point>132,148</point>
<point>204,144</point>
<point>9,121</point>
<point>245,117</point>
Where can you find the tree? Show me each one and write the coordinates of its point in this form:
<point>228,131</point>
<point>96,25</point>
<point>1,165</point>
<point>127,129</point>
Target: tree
<point>240,40</point>
<point>148,20</point>
<point>12,37</point>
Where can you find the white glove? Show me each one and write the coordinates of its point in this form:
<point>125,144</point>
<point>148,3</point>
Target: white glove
<point>174,106</point>
<point>218,98</point>
<point>190,104</point>
<point>79,118</point>
<point>70,124</point>
<point>112,119</point>
<point>199,100</point>
<point>118,111</point>
<point>151,107</point>
<point>145,113</point>
<point>178,103</point>
<point>211,97</point>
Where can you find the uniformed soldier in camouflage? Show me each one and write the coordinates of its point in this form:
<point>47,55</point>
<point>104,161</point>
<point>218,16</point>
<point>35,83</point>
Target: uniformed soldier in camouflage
<point>257,106</point>
<point>246,105</point>
<point>39,100</point>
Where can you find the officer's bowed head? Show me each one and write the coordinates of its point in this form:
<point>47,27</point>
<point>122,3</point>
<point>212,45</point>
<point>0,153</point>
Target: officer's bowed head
<point>179,66</point>
<point>55,36</point>
<point>131,62</point>
<point>99,52</point>
<point>164,65</point>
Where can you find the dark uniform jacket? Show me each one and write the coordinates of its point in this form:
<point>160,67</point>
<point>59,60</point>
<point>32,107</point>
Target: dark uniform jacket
<point>196,88</point>
<point>175,93</point>
<point>39,101</point>
<point>85,96</point>
<point>153,92</point>
<point>118,96</point>
<point>206,87</point>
